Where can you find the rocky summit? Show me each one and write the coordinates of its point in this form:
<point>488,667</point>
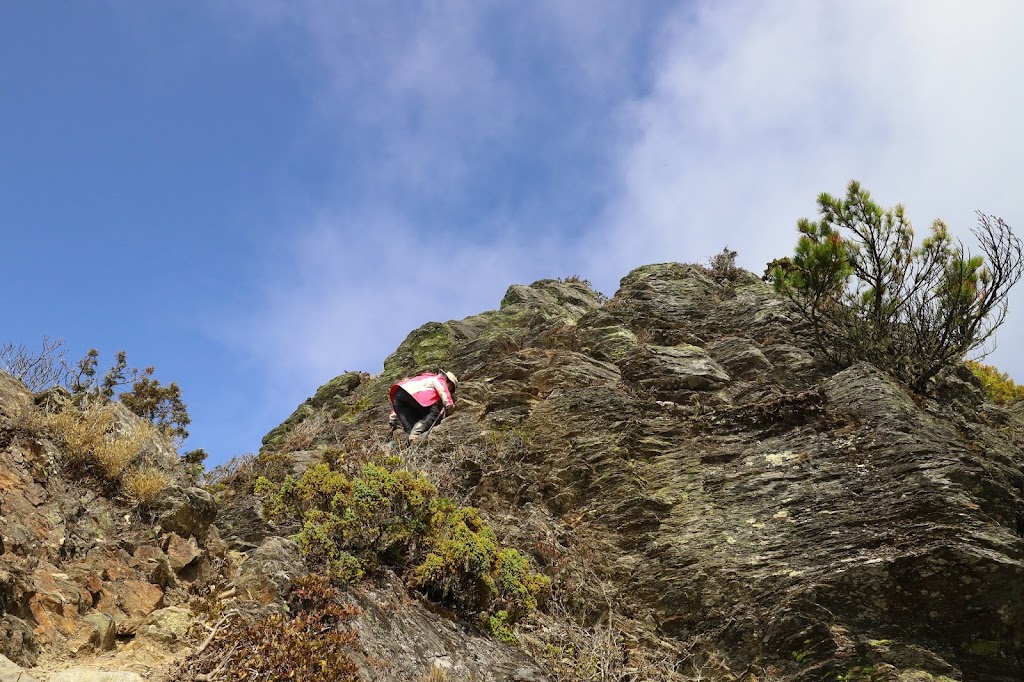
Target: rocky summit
<point>710,500</point>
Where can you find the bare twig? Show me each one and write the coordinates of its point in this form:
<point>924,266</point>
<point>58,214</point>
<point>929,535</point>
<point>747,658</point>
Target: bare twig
<point>210,676</point>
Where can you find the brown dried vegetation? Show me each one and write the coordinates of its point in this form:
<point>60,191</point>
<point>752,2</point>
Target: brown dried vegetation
<point>311,643</point>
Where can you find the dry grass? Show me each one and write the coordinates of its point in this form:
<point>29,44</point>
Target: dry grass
<point>26,419</point>
<point>87,437</point>
<point>81,432</point>
<point>117,451</point>
<point>644,335</point>
<point>143,486</point>
<point>437,674</point>
<point>306,432</point>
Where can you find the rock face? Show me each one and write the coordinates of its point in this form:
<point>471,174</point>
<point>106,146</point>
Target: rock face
<point>710,501</point>
<point>405,642</point>
<point>81,570</point>
<point>732,499</point>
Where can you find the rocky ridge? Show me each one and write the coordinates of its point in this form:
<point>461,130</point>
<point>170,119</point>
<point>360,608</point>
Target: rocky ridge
<point>711,501</point>
<point>743,509</point>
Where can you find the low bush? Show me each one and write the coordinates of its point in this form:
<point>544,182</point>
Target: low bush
<point>192,462</point>
<point>143,486</point>
<point>380,515</point>
<point>722,267</point>
<point>240,473</point>
<point>459,566</point>
<point>92,443</point>
<point>998,386</point>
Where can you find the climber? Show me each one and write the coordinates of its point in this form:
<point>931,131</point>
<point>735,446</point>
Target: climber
<point>419,402</point>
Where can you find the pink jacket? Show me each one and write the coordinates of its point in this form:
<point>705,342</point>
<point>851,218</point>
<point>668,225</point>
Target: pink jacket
<point>426,388</point>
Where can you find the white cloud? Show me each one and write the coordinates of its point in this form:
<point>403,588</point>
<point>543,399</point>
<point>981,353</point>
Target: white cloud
<point>417,101</point>
<point>353,286</point>
<point>757,107</point>
<point>414,80</point>
<point>747,110</point>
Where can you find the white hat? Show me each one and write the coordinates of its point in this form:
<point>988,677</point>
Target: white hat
<point>451,379</point>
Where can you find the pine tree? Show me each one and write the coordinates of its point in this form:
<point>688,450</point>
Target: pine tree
<point>869,294</point>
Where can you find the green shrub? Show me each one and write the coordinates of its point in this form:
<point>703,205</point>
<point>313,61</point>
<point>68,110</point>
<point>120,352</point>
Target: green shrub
<point>869,294</point>
<point>379,515</point>
<point>192,463</point>
<point>161,405</point>
<point>376,516</point>
<point>461,558</point>
<point>518,585</point>
<point>239,474</point>
<point>998,386</point>
<point>498,625</point>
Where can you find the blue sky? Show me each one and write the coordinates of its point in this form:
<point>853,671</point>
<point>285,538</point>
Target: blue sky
<point>256,196</point>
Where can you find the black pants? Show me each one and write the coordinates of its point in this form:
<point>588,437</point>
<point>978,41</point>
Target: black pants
<point>414,417</point>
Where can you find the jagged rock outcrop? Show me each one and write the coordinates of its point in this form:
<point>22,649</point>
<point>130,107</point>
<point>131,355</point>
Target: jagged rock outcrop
<point>81,569</point>
<point>710,499</point>
<point>733,499</point>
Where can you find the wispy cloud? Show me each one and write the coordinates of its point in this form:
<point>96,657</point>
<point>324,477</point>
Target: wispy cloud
<point>480,144</point>
<point>353,286</point>
<point>470,145</point>
<point>757,107</point>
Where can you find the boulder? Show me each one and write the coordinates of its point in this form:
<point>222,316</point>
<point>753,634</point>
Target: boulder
<point>158,450</point>
<point>267,575</point>
<point>129,602</point>
<point>13,393</point>
<point>672,372</point>
<point>181,552</point>
<point>12,672</point>
<point>600,334</point>
<point>154,564</point>
<point>17,641</point>
<point>740,357</point>
<point>241,524</point>
<point>97,632</point>
<point>185,511</point>
<point>414,642</point>
<point>55,603</point>
<point>167,627</point>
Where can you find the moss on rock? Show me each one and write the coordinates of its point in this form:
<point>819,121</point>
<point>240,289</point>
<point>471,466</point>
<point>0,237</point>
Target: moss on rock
<point>427,347</point>
<point>333,397</point>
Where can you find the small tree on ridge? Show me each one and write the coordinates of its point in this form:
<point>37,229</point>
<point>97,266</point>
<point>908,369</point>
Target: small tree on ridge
<point>869,294</point>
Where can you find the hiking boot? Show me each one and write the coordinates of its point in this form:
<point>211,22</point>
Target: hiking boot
<point>419,430</point>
